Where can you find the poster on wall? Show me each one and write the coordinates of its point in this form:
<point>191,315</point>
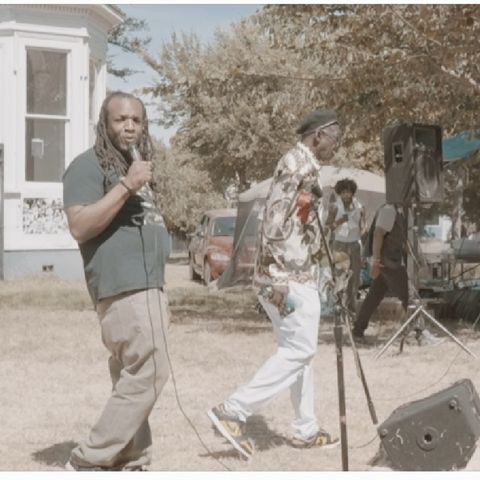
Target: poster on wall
<point>43,216</point>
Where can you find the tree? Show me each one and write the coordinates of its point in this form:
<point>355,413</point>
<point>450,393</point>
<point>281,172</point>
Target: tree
<point>417,62</point>
<point>236,125</point>
<point>185,192</point>
<point>128,36</point>
<point>239,99</point>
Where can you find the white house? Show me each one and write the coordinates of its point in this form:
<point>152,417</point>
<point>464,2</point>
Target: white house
<point>52,83</point>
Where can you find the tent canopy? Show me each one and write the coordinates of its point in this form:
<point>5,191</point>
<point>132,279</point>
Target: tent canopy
<point>329,176</point>
<point>461,146</point>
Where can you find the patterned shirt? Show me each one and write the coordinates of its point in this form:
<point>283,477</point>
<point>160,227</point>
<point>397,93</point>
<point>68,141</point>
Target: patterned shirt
<point>290,241</point>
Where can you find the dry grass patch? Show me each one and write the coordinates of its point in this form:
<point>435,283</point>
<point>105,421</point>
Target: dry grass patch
<point>56,381</point>
<point>44,291</point>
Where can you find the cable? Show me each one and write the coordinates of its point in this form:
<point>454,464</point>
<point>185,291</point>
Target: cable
<point>363,445</point>
<point>428,387</point>
<point>177,397</point>
<point>167,353</point>
<point>149,312</point>
<point>357,447</point>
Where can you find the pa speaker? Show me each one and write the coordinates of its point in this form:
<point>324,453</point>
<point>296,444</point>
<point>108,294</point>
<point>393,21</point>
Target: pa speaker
<point>438,432</point>
<point>413,163</point>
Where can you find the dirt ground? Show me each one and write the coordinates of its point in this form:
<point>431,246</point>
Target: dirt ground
<point>56,382</point>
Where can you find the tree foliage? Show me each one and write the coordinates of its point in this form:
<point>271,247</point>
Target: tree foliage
<point>383,62</point>
<point>128,36</point>
<point>235,125</point>
<point>185,191</point>
<point>239,99</point>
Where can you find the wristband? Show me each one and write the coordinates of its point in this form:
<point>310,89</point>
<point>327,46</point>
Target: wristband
<point>130,191</point>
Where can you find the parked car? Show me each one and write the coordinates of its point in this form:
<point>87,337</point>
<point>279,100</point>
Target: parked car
<point>211,245</point>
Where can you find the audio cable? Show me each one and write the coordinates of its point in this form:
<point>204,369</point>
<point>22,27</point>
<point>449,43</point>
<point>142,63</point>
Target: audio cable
<point>167,352</point>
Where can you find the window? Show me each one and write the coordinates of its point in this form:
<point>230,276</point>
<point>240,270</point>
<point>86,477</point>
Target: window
<point>46,115</point>
<point>224,226</point>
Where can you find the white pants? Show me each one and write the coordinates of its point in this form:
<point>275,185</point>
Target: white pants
<point>290,366</point>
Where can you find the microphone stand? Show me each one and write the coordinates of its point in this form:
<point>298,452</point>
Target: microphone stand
<point>342,313</point>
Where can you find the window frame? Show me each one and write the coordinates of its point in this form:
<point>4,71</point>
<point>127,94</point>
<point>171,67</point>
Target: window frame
<point>31,188</point>
<point>66,119</point>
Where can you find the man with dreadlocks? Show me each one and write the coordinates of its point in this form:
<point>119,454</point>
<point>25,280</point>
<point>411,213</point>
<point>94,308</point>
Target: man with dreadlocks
<point>111,212</point>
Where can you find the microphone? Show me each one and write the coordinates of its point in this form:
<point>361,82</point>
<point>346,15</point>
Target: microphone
<point>134,152</point>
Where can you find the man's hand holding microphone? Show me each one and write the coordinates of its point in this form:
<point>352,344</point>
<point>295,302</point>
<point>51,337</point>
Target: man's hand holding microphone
<point>139,173</point>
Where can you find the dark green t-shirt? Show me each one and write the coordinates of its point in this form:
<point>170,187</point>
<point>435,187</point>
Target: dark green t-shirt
<point>130,254</point>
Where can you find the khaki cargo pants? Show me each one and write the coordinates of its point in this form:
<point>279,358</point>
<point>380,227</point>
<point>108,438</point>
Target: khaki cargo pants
<point>134,330</point>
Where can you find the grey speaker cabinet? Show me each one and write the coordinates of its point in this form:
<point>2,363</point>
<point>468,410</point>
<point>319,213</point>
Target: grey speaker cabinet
<point>438,432</point>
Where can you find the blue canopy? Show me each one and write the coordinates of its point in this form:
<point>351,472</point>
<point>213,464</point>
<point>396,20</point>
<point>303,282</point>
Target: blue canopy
<point>460,147</point>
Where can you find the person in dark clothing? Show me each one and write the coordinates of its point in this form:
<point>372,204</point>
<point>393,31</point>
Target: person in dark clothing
<point>109,200</point>
<point>388,270</point>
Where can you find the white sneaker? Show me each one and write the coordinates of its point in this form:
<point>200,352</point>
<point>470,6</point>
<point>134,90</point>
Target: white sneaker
<point>427,338</point>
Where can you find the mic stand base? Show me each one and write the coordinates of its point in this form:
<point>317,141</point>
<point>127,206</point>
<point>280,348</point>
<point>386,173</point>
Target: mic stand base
<point>338,335</point>
<point>340,319</point>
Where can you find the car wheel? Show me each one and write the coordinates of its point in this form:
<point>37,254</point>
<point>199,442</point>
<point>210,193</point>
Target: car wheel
<point>194,276</point>
<point>207,274</point>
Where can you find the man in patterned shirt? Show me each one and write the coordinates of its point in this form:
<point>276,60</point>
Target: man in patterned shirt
<point>288,265</point>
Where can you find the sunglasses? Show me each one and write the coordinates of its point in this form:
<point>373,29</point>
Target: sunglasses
<point>335,139</point>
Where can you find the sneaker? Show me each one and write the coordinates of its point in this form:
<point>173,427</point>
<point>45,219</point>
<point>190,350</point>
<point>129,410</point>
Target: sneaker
<point>357,335</point>
<point>361,340</point>
<point>426,338</point>
<point>232,429</point>
<point>138,468</point>
<point>321,439</point>
<point>73,467</point>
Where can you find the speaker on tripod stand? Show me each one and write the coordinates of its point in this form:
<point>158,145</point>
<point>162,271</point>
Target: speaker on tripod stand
<point>413,163</point>
<point>414,176</point>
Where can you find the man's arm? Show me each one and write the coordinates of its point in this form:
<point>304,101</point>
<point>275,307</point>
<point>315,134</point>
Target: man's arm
<point>280,205</point>
<point>88,221</point>
<point>363,223</point>
<point>332,213</point>
<point>378,236</point>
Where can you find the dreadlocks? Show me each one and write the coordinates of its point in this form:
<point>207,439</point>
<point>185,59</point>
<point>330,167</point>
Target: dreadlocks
<point>107,154</point>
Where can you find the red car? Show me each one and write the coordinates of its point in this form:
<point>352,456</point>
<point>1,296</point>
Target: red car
<point>211,244</point>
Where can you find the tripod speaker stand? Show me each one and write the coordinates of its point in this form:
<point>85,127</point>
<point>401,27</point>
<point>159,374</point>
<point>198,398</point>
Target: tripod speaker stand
<point>420,310</point>
<point>418,307</point>
<point>414,175</point>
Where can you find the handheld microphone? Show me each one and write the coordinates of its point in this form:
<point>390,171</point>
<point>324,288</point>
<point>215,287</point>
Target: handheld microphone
<point>134,152</point>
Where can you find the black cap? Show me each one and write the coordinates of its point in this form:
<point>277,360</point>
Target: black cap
<point>318,119</point>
